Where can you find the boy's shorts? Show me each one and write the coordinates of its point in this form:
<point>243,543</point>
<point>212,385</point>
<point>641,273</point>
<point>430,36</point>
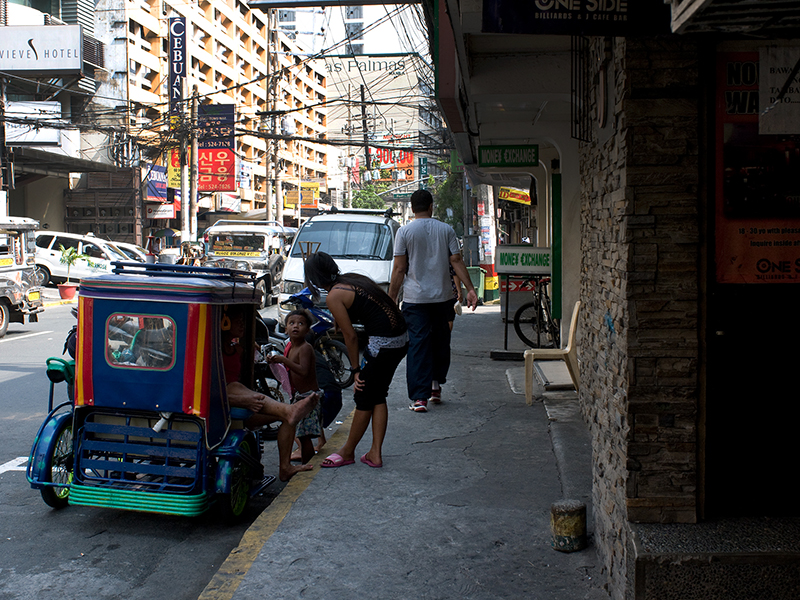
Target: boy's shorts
<point>311,426</point>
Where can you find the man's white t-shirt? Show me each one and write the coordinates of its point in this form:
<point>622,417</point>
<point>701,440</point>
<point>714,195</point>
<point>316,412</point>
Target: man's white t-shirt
<point>429,243</point>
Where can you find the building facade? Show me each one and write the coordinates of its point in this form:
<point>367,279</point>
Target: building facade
<point>666,150</point>
<point>232,58</point>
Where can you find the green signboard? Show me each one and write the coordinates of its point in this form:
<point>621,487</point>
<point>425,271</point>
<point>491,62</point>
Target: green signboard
<point>508,156</point>
<point>522,259</point>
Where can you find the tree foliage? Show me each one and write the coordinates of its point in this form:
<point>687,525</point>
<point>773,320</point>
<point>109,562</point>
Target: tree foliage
<point>367,196</point>
<point>448,203</point>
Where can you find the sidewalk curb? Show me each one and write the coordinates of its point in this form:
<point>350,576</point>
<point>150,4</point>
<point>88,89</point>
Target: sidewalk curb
<point>231,573</point>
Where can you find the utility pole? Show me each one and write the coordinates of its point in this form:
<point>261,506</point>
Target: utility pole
<point>364,127</point>
<point>193,170</point>
<point>348,194</point>
<point>275,122</point>
<point>270,157</point>
<point>5,166</point>
<point>185,218</point>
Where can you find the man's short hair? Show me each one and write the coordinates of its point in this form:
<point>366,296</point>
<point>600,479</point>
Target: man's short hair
<point>421,200</point>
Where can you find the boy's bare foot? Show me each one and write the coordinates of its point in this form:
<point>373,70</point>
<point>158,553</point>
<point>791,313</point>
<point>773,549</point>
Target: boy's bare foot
<point>285,474</point>
<point>300,409</point>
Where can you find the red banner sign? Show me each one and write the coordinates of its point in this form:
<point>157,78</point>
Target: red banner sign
<point>216,170</point>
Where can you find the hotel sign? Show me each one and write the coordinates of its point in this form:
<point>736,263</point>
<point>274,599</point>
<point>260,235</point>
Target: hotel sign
<point>508,156</point>
<point>47,49</point>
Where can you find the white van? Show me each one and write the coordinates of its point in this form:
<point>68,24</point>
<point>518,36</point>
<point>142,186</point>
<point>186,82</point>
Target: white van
<point>258,246</point>
<point>97,256</point>
<point>359,240</point>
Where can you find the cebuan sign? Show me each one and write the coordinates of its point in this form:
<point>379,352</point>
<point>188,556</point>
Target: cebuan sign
<point>522,259</point>
<point>177,63</point>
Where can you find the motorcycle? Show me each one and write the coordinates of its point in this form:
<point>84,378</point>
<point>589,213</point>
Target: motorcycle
<point>334,351</point>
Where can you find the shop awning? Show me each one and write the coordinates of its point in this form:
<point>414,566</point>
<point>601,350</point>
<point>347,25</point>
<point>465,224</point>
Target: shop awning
<point>33,161</point>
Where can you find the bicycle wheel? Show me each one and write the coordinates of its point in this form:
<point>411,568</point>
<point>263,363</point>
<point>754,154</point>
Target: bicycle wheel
<point>335,352</point>
<point>60,468</point>
<point>526,324</point>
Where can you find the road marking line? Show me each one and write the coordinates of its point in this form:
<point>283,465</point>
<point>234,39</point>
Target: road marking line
<point>15,465</point>
<point>22,337</point>
<point>230,575</point>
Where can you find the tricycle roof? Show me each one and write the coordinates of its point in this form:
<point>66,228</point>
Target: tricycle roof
<point>173,283</point>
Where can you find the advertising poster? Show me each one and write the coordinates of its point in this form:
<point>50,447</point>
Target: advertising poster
<point>156,183</point>
<point>757,204</point>
<point>514,195</point>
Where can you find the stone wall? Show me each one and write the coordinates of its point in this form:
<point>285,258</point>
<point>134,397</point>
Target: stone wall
<point>640,253</point>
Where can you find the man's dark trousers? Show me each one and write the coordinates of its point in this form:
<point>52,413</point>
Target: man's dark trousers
<point>428,356</point>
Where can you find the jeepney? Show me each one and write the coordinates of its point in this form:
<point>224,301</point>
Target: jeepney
<point>20,298</point>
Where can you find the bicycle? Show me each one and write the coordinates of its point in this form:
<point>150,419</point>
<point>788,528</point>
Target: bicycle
<point>534,322</point>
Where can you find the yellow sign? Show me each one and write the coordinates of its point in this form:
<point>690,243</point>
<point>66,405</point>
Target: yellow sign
<point>33,296</point>
<point>515,195</point>
<point>6,262</point>
<point>174,169</point>
<point>236,253</point>
<point>290,199</point>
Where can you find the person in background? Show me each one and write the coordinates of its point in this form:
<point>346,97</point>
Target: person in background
<point>265,410</point>
<point>424,251</point>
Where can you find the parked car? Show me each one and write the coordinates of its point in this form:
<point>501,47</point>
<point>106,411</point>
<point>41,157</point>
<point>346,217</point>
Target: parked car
<point>20,297</point>
<point>96,256</point>
<point>258,246</point>
<point>359,240</point>
<point>131,251</point>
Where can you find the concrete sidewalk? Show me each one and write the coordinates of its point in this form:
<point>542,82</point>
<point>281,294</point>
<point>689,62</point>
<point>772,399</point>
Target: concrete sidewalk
<point>461,508</point>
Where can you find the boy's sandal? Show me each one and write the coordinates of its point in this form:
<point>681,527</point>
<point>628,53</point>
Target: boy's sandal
<point>335,460</point>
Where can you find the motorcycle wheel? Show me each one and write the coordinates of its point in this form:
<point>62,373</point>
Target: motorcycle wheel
<point>60,468</point>
<point>335,352</point>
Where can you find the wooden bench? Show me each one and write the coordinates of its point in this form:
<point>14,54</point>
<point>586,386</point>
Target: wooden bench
<point>569,355</point>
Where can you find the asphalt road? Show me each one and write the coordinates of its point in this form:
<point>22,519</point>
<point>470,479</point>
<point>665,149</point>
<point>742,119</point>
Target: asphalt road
<point>86,552</point>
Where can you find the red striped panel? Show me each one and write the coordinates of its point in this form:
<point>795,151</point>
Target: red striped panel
<point>196,364</point>
<point>84,386</point>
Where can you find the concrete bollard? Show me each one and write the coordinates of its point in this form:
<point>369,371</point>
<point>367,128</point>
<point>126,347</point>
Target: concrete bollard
<point>568,524</point>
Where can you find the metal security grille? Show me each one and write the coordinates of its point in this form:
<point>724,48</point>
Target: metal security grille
<point>581,89</point>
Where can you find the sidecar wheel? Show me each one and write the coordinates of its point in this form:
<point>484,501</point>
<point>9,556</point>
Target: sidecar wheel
<point>233,504</point>
<point>61,465</point>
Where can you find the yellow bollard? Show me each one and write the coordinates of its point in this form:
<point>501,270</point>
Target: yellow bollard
<point>568,524</point>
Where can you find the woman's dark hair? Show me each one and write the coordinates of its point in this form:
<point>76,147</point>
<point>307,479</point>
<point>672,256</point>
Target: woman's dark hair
<point>322,271</point>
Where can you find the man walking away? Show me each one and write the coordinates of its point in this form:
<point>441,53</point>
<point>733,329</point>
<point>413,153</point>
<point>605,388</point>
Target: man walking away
<point>423,252</point>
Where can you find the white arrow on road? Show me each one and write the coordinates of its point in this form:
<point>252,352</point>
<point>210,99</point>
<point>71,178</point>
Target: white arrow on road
<point>18,464</point>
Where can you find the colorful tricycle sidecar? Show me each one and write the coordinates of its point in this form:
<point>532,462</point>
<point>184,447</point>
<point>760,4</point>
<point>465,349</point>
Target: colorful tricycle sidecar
<point>151,429</point>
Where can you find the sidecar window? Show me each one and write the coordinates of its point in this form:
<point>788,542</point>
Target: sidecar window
<point>140,341</point>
